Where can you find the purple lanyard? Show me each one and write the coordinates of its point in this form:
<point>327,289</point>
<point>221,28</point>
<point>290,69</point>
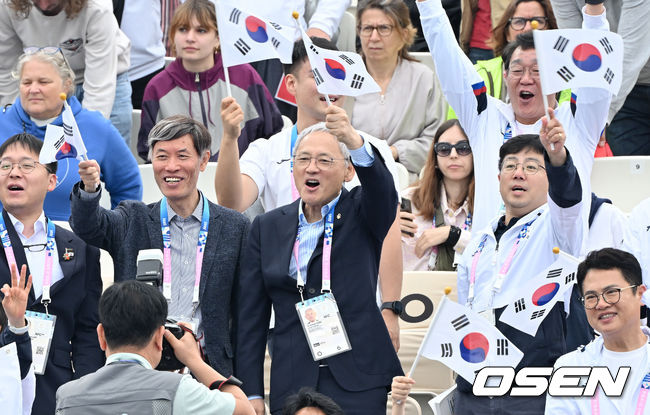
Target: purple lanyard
<point>504,268</point>
<point>640,403</point>
<point>49,257</point>
<point>327,254</point>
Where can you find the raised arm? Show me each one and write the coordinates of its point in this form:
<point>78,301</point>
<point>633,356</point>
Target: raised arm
<point>234,190</point>
<point>458,78</point>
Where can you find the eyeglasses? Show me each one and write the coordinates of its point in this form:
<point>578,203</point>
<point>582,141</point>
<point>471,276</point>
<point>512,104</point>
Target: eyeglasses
<point>517,71</point>
<point>383,30</point>
<point>519,23</point>
<point>35,247</point>
<point>610,296</point>
<point>444,149</point>
<point>25,166</point>
<point>529,167</point>
<point>48,50</point>
<point>322,162</point>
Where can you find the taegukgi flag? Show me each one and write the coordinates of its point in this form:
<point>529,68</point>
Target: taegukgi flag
<point>247,38</point>
<point>63,142</point>
<point>574,58</point>
<point>538,297</point>
<point>339,73</point>
<point>466,342</point>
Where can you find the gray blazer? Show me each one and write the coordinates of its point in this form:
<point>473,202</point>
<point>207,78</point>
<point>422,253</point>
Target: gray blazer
<point>133,226</point>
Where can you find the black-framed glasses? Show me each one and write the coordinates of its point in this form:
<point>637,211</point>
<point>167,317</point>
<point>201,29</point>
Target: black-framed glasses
<point>444,149</point>
<point>529,167</point>
<point>519,23</point>
<point>322,162</point>
<point>383,30</point>
<point>610,296</point>
<point>35,247</point>
<point>25,166</point>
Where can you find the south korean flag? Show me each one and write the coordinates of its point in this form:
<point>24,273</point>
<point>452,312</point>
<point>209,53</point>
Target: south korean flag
<point>538,297</point>
<point>466,342</point>
<point>575,58</point>
<point>339,73</point>
<point>248,38</point>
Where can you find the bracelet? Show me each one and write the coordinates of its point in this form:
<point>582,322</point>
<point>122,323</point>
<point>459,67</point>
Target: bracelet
<point>454,236</point>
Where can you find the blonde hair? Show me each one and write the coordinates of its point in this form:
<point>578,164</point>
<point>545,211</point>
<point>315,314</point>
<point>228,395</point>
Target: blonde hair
<point>72,7</point>
<point>58,62</point>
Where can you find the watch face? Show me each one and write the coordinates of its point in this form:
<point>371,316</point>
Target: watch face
<point>398,307</point>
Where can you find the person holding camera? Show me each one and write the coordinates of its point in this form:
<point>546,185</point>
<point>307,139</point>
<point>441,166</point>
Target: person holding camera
<point>132,318</point>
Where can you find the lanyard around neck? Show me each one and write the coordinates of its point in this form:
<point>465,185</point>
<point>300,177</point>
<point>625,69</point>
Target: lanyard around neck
<point>294,137</point>
<point>328,235</point>
<point>523,233</point>
<point>640,403</point>
<point>49,257</point>
<point>167,250</point>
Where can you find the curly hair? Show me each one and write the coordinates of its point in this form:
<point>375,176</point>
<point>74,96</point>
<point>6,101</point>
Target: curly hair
<point>499,40</point>
<point>72,7</point>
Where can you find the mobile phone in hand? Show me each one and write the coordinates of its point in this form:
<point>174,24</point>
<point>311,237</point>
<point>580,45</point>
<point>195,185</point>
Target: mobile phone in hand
<point>405,206</point>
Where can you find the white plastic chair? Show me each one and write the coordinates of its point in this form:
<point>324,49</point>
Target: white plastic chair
<point>623,179</point>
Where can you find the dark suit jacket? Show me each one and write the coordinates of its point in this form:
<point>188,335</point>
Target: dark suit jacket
<point>133,226</point>
<point>74,303</point>
<point>362,219</point>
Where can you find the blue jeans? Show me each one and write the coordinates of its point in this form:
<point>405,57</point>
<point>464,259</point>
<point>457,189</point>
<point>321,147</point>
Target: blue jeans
<point>629,132</point>
<point>122,107</point>
<point>478,54</point>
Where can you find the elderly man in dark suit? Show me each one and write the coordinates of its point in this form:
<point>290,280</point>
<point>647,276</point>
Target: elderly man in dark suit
<point>320,252</point>
<point>69,288</point>
<point>201,241</point>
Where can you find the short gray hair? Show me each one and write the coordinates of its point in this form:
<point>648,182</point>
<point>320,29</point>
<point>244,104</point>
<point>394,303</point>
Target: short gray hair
<point>177,126</point>
<point>320,127</point>
<point>57,60</point>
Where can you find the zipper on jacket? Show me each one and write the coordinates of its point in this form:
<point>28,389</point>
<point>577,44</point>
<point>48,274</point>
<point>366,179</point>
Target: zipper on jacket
<point>197,80</point>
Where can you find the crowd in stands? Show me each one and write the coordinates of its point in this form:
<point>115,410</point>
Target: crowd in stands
<point>458,164</point>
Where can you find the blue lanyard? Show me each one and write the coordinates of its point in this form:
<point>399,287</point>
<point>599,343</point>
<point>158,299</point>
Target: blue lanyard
<point>49,256</point>
<point>167,244</point>
<point>294,137</point>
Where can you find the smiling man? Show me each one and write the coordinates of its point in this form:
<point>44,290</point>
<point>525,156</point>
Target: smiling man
<point>321,252</point>
<point>612,288</point>
<point>68,288</point>
<point>202,241</point>
<point>490,122</point>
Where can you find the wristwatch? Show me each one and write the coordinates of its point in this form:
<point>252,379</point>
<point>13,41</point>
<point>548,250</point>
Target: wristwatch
<point>218,384</point>
<point>594,1</point>
<point>395,306</point>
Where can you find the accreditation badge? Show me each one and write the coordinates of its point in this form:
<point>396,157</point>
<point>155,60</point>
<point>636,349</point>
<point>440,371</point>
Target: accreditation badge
<point>41,331</point>
<point>323,327</point>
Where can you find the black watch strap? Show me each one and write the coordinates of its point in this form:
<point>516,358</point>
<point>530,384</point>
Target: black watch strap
<point>231,380</point>
<point>395,306</point>
<point>594,1</point>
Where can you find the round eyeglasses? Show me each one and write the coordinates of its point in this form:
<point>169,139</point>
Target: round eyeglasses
<point>25,166</point>
<point>610,296</point>
<point>519,23</point>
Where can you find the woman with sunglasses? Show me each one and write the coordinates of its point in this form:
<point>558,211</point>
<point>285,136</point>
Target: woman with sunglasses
<point>43,75</point>
<point>442,204</point>
<point>410,107</point>
<point>194,84</point>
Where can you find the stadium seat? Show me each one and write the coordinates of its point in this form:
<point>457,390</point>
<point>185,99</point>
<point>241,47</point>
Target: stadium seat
<point>421,291</point>
<point>425,58</point>
<point>403,174</point>
<point>152,194</point>
<point>623,179</point>
<point>135,128</point>
<point>347,33</point>
<point>411,406</point>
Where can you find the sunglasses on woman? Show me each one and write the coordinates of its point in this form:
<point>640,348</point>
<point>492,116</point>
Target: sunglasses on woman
<point>444,149</point>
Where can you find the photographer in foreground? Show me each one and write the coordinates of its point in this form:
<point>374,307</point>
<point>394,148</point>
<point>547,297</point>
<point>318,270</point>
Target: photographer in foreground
<point>131,329</point>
